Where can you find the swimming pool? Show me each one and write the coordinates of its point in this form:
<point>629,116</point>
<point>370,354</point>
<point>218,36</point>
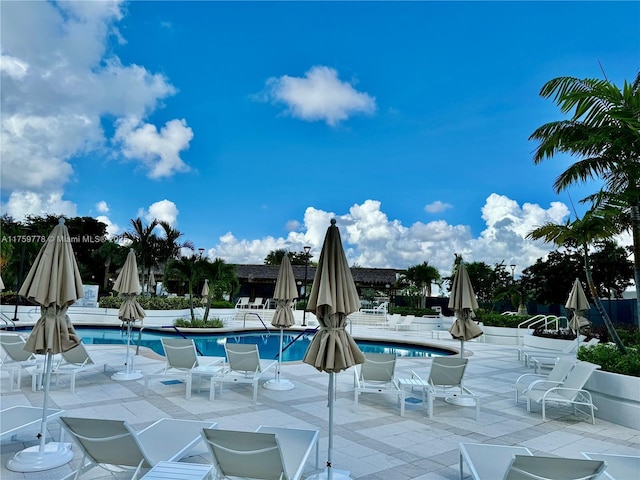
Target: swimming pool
<point>268,344</point>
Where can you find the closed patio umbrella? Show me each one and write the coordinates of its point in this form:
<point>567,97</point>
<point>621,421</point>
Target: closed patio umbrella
<point>333,297</point>
<point>128,286</point>
<point>578,304</point>
<point>205,292</point>
<point>54,283</point>
<point>463,302</point>
<point>152,282</point>
<point>285,294</point>
<point>1,284</point>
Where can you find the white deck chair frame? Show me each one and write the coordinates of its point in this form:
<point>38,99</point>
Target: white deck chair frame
<point>243,302</point>
<point>405,323</point>
<point>446,379</point>
<point>184,362</point>
<point>376,375</point>
<point>114,442</point>
<point>568,393</point>
<point>243,365</point>
<point>72,362</point>
<point>619,467</point>
<point>269,453</point>
<point>494,462</point>
<point>16,359</point>
<point>538,381</point>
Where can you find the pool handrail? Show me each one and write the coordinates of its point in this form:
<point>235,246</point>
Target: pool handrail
<point>244,321</point>
<point>547,319</point>
<point>304,332</point>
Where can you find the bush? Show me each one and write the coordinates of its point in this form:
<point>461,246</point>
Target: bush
<point>611,359</point>
<point>198,323</point>
<point>497,320</point>
<point>149,303</point>
<point>418,312</point>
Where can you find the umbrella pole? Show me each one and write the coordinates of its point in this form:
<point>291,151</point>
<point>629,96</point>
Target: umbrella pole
<point>42,456</point>
<point>128,373</point>
<point>330,450</point>
<point>279,383</point>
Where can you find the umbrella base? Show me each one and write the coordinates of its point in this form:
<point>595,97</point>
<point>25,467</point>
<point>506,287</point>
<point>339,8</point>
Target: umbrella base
<point>278,384</point>
<point>31,459</point>
<point>336,474</point>
<point>124,375</point>
<point>461,401</point>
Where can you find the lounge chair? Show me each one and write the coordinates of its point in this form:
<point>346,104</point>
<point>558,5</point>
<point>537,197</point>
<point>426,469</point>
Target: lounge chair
<point>16,359</point>
<point>546,361</point>
<point>257,303</point>
<point>405,323</point>
<point>244,365</point>
<point>72,362</point>
<point>525,354</point>
<point>376,375</point>
<point>243,302</point>
<point>184,362</point>
<point>619,467</point>
<point>114,442</point>
<point>570,392</point>
<point>14,420</point>
<point>268,453</point>
<point>537,381</point>
<point>446,381</point>
<point>494,462</point>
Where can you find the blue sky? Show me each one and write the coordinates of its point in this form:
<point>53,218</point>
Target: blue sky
<point>248,126</point>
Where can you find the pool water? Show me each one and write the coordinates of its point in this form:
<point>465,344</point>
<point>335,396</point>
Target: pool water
<point>268,344</point>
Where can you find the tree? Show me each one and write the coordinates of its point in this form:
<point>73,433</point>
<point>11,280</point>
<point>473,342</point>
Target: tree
<point>422,276</point>
<point>550,279</point>
<point>189,268</point>
<point>604,132</point>
<point>110,253</point>
<point>581,233</point>
<point>222,278</point>
<point>612,269</point>
<point>170,246</point>
<point>145,242</point>
<point>275,257</point>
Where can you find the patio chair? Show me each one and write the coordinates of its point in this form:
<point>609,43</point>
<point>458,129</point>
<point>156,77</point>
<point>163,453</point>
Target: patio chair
<point>257,303</point>
<point>570,392</point>
<point>269,453</point>
<point>376,375</point>
<point>405,323</point>
<point>183,362</point>
<point>244,365</point>
<point>19,418</point>
<point>493,462</point>
<point>390,320</point>
<point>73,362</point>
<point>537,381</point>
<point>446,381</point>
<point>619,467</point>
<point>526,353</point>
<point>546,361</point>
<point>114,443</point>
<point>243,302</point>
<point>16,359</point>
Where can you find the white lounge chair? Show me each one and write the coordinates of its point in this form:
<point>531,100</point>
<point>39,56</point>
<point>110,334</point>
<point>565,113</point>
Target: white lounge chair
<point>619,467</point>
<point>16,359</point>
<point>445,381</point>
<point>570,392</point>
<point>495,462</point>
<point>114,442</point>
<point>268,453</point>
<point>537,381</point>
<point>244,365</point>
<point>257,303</point>
<point>14,420</point>
<point>183,362</point>
<point>405,323</point>
<point>525,354</point>
<point>546,361</point>
<point>72,362</point>
<point>376,375</point>
<point>243,302</point>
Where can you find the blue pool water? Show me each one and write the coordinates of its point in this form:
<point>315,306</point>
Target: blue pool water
<point>268,344</point>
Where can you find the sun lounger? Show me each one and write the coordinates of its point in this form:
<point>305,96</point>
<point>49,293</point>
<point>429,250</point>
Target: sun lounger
<point>115,443</point>
<point>619,467</point>
<point>495,462</point>
<point>14,420</point>
<point>376,375</point>
<point>537,381</point>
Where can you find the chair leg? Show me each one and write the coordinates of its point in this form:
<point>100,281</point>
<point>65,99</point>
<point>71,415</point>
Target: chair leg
<point>188,392</point>
<point>255,392</point>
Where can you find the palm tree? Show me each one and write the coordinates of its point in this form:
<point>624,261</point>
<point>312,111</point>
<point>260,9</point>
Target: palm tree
<point>186,268</point>
<point>580,233</point>
<point>110,252</point>
<point>170,246</point>
<point>145,242</point>
<point>604,131</point>
<point>222,278</point>
<point>423,276</point>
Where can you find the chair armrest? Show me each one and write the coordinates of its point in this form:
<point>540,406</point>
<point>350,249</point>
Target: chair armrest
<point>416,376</point>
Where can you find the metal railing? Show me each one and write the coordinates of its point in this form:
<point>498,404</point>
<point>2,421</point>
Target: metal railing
<point>533,322</point>
<point>244,321</point>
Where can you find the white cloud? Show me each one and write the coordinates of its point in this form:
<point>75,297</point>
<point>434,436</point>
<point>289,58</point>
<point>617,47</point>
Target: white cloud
<point>60,83</point>
<point>22,203</point>
<point>319,95</point>
<point>437,207</point>
<point>112,228</point>
<point>164,211</point>
<point>102,207</point>
<point>371,239</point>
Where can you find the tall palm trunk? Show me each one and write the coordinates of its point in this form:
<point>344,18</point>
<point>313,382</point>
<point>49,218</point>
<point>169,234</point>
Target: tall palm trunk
<point>596,299</point>
<point>635,227</point>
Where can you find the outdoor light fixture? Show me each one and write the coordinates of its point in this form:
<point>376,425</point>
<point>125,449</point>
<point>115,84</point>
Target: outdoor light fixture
<point>306,249</point>
<point>201,250</point>
<point>513,271</point>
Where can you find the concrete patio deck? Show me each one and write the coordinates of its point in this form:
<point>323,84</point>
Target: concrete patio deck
<point>374,443</point>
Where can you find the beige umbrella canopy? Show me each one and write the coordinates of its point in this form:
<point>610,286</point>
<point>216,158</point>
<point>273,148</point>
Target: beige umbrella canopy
<point>285,294</point>
<point>54,283</point>
<point>128,286</point>
<point>205,292</point>
<point>333,297</point>
<point>577,303</point>
<point>1,284</point>
<point>463,302</point>
<point>151,282</point>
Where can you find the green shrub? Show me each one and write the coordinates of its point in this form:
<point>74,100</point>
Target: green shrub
<point>497,320</point>
<point>611,360</point>
<point>198,323</point>
<point>221,304</point>
<point>151,303</point>
<point>418,312</point>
